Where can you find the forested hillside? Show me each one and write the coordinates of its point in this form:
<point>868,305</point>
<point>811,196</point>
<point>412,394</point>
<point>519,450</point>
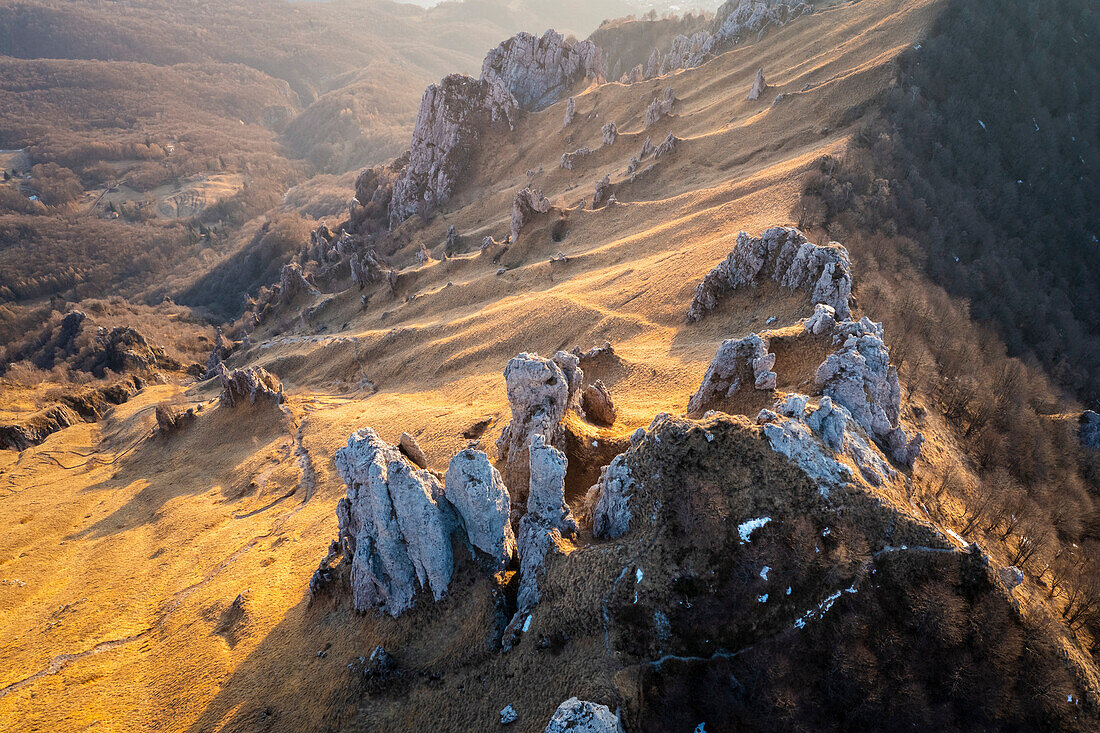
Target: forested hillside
<point>987,156</point>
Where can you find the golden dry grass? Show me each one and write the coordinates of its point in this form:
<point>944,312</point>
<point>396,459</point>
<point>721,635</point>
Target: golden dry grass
<point>131,566</point>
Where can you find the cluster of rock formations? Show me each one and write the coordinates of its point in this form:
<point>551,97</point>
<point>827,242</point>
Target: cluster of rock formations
<point>859,377</point>
<point>787,257</point>
<point>660,107</point>
<point>73,406</point>
<point>734,22</point>
<point>539,71</point>
<point>568,160</point>
<point>737,363</point>
<point>250,385</point>
<point>610,133</point>
<point>397,520</point>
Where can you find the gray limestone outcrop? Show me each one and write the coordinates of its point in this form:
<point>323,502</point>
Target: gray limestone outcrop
<point>477,492</point>
<point>660,107</point>
<point>611,515</point>
<point>580,716</point>
<point>452,115</point>
<point>633,76</point>
<point>539,393</point>
<point>859,377</point>
<point>822,321</point>
<point>395,526</point>
<point>292,282</point>
<point>526,205</point>
<point>568,160</point>
<point>411,449</point>
<point>787,257</point>
<point>248,385</point>
<point>1089,430</point>
<point>667,146</point>
<point>603,192</point>
<point>736,363</point>
<point>546,497</point>
<point>738,20</point>
<point>570,111</point>
<point>539,71</point>
<point>758,86</point>
<point>734,22</point>
<point>610,133</point>
<point>541,529</point>
<point>397,521</point>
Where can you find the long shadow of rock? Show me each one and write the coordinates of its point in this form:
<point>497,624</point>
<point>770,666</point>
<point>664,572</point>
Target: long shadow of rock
<point>313,670</point>
<point>226,448</point>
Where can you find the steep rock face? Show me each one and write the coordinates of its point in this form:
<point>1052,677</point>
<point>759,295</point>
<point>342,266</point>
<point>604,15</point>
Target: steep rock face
<point>482,503</point>
<point>580,716</point>
<point>859,377</point>
<point>570,111</point>
<point>539,393</point>
<point>36,428</point>
<point>452,115</point>
<point>124,349</point>
<point>737,363</point>
<point>539,71</point>
<point>394,525</point>
<point>292,282</point>
<point>785,255</point>
<point>734,22</point>
<point>248,385</point>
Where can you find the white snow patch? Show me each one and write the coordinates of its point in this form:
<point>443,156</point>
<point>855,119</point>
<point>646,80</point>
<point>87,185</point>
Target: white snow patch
<point>763,598</point>
<point>638,575</point>
<point>745,529</point>
<point>764,572</point>
<point>526,624</point>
